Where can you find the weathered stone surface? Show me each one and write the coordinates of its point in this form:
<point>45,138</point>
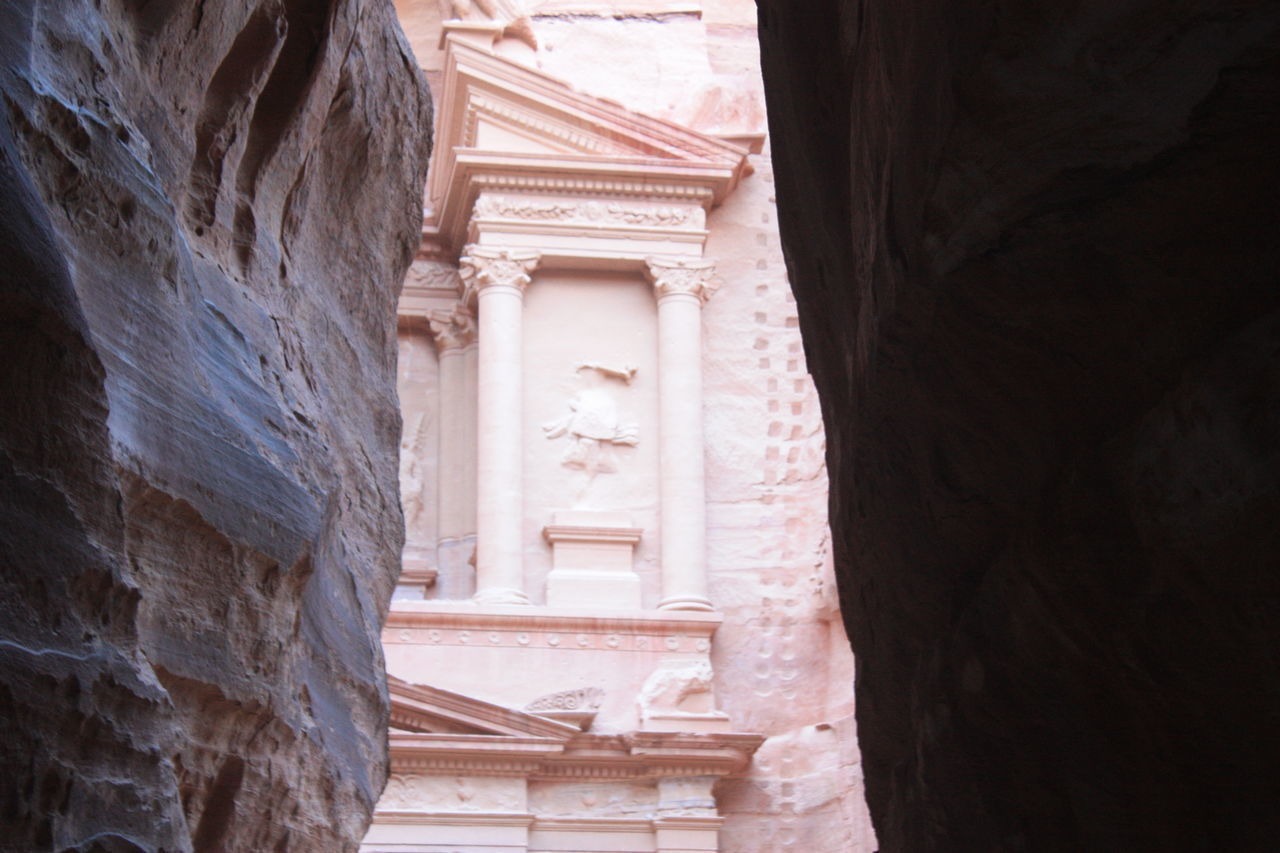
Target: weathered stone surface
<point>781,660</point>
<point>206,213</point>
<point>1034,251</point>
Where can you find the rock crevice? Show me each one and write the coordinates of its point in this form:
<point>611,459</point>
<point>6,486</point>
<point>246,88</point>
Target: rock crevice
<point>1033,252</point>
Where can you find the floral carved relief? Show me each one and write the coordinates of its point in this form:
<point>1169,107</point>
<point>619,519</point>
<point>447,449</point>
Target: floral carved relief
<point>483,267</point>
<point>453,328</point>
<point>581,699</point>
<point>532,209</point>
<point>673,276</point>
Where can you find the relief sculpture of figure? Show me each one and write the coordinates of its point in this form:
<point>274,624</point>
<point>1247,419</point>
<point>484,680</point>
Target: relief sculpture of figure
<point>593,424</point>
<point>508,12</point>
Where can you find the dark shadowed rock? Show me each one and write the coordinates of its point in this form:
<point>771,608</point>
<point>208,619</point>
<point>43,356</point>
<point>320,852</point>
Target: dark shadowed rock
<point>205,213</point>
<point>1035,251</point>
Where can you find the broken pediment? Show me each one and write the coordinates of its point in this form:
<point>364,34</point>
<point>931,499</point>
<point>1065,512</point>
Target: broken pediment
<point>422,709</point>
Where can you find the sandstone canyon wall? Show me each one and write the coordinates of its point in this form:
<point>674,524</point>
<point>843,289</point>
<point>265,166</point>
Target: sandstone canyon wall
<point>207,210</point>
<point>1034,249</point>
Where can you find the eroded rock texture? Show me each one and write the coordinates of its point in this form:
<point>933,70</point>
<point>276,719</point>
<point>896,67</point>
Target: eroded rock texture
<point>206,212</point>
<point>1034,247</point>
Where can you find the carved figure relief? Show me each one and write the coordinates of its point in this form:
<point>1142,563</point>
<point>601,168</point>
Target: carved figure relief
<point>506,12</point>
<point>593,424</point>
<point>414,476</point>
<point>680,685</point>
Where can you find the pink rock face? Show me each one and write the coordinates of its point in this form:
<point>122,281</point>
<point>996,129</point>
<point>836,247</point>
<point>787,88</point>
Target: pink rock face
<point>207,213</point>
<point>781,663</point>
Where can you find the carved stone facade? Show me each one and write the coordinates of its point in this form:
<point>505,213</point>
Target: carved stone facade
<point>628,539</point>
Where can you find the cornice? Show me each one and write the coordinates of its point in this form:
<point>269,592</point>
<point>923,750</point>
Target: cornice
<point>637,755</point>
<point>581,533</point>
<point>663,181</point>
<point>399,816</point>
<point>476,617</point>
<point>594,824</point>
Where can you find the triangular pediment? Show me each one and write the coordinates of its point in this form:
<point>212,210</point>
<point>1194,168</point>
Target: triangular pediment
<point>423,709</point>
<point>502,121</point>
<point>496,104</point>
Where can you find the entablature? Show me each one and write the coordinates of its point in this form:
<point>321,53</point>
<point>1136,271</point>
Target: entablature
<point>638,755</point>
<point>507,129</point>
<point>483,619</point>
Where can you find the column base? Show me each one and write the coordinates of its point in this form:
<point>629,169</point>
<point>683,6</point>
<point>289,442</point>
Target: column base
<point>685,602</point>
<point>500,596</point>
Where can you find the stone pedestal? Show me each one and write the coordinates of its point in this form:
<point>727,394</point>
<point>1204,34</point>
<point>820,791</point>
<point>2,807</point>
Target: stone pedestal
<point>687,834</point>
<point>591,560</point>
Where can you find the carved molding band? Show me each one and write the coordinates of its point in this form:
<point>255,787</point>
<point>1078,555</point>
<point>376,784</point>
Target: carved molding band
<point>591,186</point>
<point>483,267</point>
<point>453,328</point>
<point>672,276</point>
<point>688,216</point>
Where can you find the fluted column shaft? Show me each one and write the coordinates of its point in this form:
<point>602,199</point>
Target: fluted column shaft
<point>682,287</point>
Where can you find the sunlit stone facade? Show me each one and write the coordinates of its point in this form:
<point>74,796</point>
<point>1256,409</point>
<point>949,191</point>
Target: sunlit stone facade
<point>616,628</point>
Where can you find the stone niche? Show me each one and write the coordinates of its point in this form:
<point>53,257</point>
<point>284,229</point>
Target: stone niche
<point>591,392</point>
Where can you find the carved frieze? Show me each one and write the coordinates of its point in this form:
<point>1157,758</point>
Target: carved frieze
<point>672,276</point>
<point>482,267</point>
<point>415,792</point>
<point>678,685</point>
<point>591,212</point>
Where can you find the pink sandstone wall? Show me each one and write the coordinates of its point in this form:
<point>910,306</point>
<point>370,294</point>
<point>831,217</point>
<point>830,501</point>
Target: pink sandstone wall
<point>783,663</point>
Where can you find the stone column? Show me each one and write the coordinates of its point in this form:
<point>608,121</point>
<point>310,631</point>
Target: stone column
<point>497,279</point>
<point>471,364</point>
<point>454,331</point>
<point>682,288</point>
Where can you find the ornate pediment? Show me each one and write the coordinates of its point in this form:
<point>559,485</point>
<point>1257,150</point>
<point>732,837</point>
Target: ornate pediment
<point>511,131</point>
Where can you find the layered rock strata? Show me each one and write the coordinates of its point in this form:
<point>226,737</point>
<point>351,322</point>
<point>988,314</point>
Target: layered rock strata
<point>1034,252</point>
<point>207,213</point>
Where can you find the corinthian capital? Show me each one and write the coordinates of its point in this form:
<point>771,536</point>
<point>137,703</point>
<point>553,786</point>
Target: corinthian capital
<point>692,276</point>
<point>453,328</point>
<point>483,267</point>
